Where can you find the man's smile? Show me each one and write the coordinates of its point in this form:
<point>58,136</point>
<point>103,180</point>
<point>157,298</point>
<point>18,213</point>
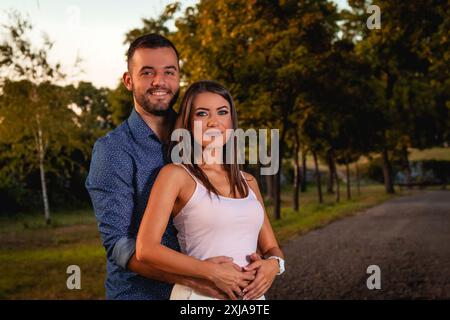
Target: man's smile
<point>159,92</point>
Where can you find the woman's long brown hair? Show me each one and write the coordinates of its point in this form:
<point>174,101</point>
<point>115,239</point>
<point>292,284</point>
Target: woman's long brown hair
<point>184,121</point>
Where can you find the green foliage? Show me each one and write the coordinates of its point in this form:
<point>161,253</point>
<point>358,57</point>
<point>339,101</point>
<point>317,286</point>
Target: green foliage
<point>121,103</point>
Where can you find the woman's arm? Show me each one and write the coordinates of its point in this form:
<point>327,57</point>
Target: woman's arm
<point>268,245</point>
<point>165,192</point>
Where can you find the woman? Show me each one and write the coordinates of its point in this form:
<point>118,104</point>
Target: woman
<point>217,209</point>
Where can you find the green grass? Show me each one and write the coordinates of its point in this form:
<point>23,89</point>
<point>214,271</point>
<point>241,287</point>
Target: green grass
<point>34,257</point>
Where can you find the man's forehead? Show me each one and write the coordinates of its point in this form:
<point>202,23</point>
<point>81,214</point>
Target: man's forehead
<point>155,57</point>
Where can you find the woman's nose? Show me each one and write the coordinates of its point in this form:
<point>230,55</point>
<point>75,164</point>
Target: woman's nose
<point>212,122</point>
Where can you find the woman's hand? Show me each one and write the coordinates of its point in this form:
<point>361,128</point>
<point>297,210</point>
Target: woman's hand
<point>266,271</point>
<point>230,278</point>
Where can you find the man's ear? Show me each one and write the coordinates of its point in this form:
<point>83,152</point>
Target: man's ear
<point>126,79</point>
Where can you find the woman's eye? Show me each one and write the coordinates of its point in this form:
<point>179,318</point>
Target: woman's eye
<point>201,114</point>
<point>223,112</point>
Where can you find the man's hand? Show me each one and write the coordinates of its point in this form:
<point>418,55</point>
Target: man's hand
<point>206,288</point>
<point>266,271</point>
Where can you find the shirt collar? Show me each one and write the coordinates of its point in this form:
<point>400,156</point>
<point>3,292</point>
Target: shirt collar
<point>138,127</point>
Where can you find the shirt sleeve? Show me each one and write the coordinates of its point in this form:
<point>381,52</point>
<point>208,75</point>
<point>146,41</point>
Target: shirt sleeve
<point>110,187</point>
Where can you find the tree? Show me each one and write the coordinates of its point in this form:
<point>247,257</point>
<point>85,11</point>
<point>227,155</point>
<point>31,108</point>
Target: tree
<point>34,113</point>
<point>401,59</point>
<point>121,103</point>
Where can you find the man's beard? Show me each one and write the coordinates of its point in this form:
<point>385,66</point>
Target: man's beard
<point>158,109</point>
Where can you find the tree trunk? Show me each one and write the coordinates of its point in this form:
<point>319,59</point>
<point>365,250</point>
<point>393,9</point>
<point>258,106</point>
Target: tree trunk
<point>318,179</point>
<point>338,189</point>
<point>277,194</point>
<point>330,163</point>
<point>358,185</point>
<point>269,186</point>
<point>347,172</point>
<point>387,172</point>
<point>335,176</point>
<point>41,156</point>
<point>387,169</point>
<point>406,166</point>
<point>297,175</point>
<point>304,170</point>
<point>277,183</point>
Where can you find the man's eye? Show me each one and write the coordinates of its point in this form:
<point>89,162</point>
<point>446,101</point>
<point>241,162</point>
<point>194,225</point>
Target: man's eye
<point>147,73</point>
<point>170,73</point>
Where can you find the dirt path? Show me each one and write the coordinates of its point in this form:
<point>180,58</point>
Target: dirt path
<point>408,238</point>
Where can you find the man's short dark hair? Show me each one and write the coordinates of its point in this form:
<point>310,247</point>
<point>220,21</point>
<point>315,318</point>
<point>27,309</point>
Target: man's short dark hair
<point>149,41</point>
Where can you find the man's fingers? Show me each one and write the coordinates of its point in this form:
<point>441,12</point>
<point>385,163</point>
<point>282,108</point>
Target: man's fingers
<point>231,294</point>
<point>237,291</point>
<point>217,295</point>
<point>237,267</point>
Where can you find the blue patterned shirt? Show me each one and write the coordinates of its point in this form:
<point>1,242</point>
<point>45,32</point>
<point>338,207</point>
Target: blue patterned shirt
<point>123,168</point>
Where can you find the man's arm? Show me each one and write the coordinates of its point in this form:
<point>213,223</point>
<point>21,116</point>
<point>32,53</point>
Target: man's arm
<point>111,190</point>
<point>204,287</point>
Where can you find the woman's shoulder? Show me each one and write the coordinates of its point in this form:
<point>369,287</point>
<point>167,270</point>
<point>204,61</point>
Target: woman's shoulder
<point>248,176</point>
<point>251,180</point>
<point>174,171</point>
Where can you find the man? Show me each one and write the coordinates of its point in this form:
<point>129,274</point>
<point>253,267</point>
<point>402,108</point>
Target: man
<point>124,166</point>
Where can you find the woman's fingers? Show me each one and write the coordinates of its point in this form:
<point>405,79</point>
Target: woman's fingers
<point>243,283</point>
<point>252,272</point>
<point>249,276</point>
<point>237,291</point>
<point>254,265</point>
<point>255,283</point>
<point>231,294</point>
<point>255,257</point>
<point>256,292</point>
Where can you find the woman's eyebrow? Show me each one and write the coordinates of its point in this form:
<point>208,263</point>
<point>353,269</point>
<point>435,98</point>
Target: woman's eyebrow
<point>201,108</point>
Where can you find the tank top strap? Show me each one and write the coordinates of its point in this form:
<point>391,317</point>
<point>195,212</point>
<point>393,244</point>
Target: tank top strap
<point>250,190</point>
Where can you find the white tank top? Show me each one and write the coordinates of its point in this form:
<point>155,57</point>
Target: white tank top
<point>211,226</point>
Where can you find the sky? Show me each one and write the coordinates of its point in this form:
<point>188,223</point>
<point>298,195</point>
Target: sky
<point>93,30</point>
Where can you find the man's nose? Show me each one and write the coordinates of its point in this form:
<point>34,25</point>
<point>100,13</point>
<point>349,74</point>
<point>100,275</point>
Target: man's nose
<point>157,79</point>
